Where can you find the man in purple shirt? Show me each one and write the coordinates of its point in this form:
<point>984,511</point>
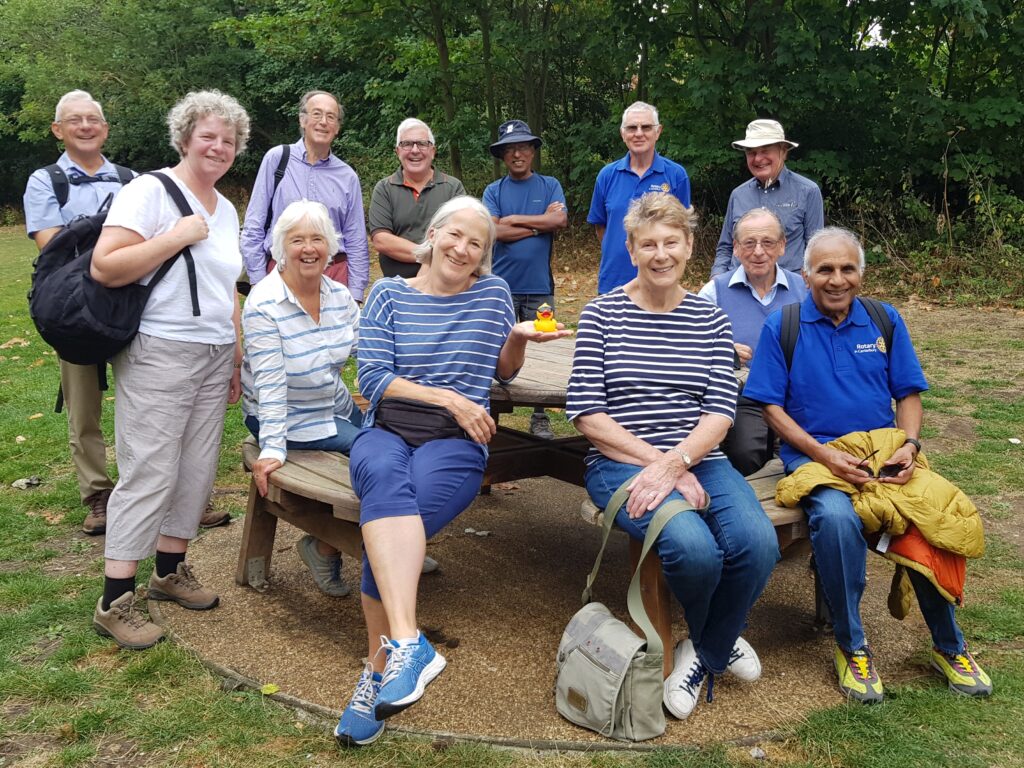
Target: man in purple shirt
<point>313,172</point>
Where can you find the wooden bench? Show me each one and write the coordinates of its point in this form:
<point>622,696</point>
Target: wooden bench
<point>790,527</point>
<point>311,491</point>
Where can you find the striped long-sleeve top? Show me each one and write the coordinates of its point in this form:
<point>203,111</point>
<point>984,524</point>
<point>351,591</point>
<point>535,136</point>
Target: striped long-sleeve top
<point>451,342</point>
<point>654,373</point>
<point>291,372</point>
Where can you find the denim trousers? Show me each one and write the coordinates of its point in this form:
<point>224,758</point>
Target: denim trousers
<point>341,442</point>
<point>840,554</point>
<point>716,563</point>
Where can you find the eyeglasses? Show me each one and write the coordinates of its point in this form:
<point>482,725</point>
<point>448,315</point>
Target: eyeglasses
<point>886,470</point>
<point>522,147</point>
<point>421,144</point>
<point>317,115</point>
<point>91,120</point>
<point>638,128</point>
<point>767,244</point>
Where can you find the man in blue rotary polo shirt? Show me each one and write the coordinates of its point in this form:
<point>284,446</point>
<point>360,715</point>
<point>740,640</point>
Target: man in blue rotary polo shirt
<point>842,380</point>
<point>791,197</point>
<point>54,196</point>
<point>619,183</point>
<point>747,295</point>
<point>528,209</point>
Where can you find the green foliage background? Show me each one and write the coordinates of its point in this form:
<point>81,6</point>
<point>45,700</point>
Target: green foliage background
<point>909,114</point>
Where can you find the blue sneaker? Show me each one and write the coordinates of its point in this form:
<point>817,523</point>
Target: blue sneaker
<point>410,667</point>
<point>358,726</point>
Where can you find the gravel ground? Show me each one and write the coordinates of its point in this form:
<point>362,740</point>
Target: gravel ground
<point>498,607</point>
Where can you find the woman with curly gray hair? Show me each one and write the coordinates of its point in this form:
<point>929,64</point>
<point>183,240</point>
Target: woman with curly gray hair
<point>178,374</point>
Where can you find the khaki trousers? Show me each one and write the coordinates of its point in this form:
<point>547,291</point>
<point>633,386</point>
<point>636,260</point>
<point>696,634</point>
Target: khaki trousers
<point>169,417</point>
<point>83,403</point>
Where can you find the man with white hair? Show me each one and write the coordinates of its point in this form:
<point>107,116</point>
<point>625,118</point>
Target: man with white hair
<point>838,379</point>
<point>77,185</point>
<point>403,203</point>
<point>619,183</point>
<point>793,198</point>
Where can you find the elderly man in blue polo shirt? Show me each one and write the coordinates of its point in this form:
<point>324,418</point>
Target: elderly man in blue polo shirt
<point>77,185</point>
<point>527,209</point>
<point>747,295</point>
<point>618,184</point>
<point>793,198</point>
<point>842,380</point>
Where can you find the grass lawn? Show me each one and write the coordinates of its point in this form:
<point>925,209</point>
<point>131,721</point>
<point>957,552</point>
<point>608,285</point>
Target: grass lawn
<point>69,698</point>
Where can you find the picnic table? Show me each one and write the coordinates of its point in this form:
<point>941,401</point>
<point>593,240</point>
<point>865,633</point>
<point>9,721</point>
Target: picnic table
<point>312,491</point>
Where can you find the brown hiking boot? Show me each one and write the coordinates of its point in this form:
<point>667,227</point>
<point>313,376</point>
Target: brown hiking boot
<point>183,588</point>
<point>96,521</point>
<point>212,518</point>
<point>126,623</point>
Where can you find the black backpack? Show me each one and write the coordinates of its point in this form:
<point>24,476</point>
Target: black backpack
<point>243,286</point>
<point>62,183</point>
<point>790,330</point>
<point>85,322</point>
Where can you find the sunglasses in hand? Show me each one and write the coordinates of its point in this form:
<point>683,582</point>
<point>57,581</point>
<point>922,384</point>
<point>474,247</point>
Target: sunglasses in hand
<point>886,470</point>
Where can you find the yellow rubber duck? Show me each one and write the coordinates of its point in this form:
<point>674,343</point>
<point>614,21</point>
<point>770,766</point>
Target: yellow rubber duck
<point>545,322</point>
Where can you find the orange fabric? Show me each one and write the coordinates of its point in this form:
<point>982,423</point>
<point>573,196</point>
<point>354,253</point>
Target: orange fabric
<point>945,569</point>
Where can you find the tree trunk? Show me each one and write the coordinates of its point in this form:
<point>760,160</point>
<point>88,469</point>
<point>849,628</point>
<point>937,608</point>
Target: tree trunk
<point>483,11</point>
<point>447,94</point>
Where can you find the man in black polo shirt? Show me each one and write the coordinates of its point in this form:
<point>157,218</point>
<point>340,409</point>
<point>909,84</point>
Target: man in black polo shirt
<point>403,203</point>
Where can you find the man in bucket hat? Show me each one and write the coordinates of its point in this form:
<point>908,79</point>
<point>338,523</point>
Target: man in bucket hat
<point>618,184</point>
<point>528,209</point>
<point>793,198</point>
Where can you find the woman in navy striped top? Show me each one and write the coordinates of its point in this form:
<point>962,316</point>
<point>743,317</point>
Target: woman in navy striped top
<point>653,389</point>
<point>438,338</point>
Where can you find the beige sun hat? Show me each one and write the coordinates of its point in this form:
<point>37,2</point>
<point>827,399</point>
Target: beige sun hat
<point>761,133</point>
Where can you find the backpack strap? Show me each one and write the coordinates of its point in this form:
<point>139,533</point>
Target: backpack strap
<point>881,318</point>
<point>124,175</point>
<point>59,181</point>
<point>186,210</point>
<point>282,166</point>
<point>790,331</point>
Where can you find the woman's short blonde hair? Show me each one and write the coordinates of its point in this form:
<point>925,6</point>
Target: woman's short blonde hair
<point>302,211</point>
<point>195,106</point>
<point>425,250</point>
<point>659,208</point>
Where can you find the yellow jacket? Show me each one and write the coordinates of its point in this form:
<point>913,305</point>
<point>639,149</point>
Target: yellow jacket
<point>942,514</point>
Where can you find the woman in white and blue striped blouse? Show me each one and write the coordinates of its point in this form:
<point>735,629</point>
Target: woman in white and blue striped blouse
<point>653,389</point>
<point>438,338</point>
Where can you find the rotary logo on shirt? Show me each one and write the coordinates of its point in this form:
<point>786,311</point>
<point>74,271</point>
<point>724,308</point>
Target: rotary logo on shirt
<point>878,346</point>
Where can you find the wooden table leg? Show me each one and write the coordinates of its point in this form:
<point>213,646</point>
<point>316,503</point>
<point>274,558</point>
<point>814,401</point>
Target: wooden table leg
<point>257,541</point>
<point>656,596</point>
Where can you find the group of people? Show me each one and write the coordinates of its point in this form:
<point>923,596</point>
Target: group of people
<point>654,384</point>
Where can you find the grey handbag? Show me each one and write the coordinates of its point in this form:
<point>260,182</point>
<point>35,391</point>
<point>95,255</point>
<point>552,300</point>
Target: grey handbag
<point>609,680</point>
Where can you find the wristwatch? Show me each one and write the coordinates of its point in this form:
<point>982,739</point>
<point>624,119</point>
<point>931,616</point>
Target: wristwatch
<point>683,455</point>
<point>914,443</point>
<point>535,232</point>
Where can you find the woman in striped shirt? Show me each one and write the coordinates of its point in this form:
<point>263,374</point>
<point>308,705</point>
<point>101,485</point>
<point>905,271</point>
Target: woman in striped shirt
<point>438,338</point>
<point>653,389</point>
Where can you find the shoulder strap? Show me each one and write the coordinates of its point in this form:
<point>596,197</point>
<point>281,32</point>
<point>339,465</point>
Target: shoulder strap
<point>282,166</point>
<point>185,210</point>
<point>59,181</point>
<point>790,331</point>
<point>634,600</point>
<point>124,175</point>
<point>881,318</point>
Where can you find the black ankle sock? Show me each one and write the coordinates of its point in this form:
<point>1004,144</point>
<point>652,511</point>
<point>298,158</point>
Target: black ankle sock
<point>114,588</point>
<point>167,562</point>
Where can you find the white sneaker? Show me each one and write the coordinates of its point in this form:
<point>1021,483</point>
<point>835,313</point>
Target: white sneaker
<point>743,662</point>
<point>683,686</point>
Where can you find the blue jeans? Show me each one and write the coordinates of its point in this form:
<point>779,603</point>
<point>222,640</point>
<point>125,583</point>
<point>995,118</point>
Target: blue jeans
<point>436,481</point>
<point>841,553</point>
<point>525,304</point>
<point>340,442</point>
<point>716,563</point>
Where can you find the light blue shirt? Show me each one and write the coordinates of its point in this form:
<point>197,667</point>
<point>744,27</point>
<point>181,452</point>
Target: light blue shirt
<point>739,277</point>
<point>794,199</point>
<point>41,209</point>
<point>291,373</point>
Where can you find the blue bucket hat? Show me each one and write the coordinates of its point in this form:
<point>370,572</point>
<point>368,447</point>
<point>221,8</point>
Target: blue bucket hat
<point>513,132</point>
